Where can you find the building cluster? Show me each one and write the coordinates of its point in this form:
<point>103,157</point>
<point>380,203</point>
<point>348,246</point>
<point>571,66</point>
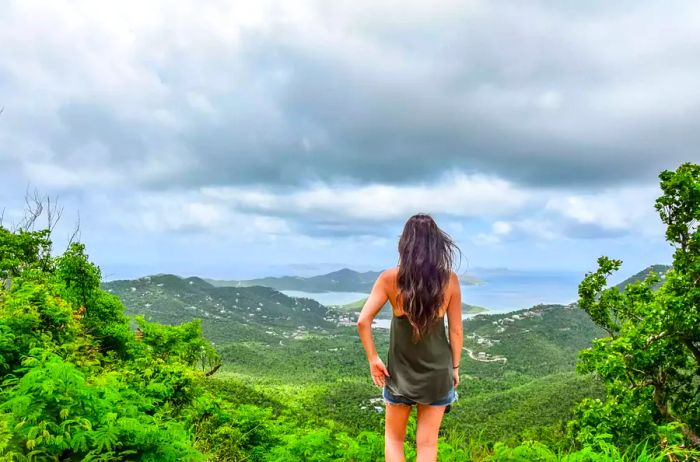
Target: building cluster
<point>485,357</point>
<point>501,323</point>
<point>485,341</point>
<point>345,320</point>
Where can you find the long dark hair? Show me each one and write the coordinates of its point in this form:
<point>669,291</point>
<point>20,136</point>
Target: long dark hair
<point>426,259</point>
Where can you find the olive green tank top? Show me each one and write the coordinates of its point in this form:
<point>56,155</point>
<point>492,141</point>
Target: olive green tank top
<point>419,371</point>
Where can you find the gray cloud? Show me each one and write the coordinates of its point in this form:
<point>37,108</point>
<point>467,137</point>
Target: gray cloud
<point>532,98</point>
<point>541,94</point>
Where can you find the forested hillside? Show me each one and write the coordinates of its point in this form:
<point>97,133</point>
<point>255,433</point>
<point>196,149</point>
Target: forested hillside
<point>660,270</point>
<point>228,314</point>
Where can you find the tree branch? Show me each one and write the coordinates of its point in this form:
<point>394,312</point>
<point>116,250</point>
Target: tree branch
<point>213,371</point>
<point>693,349</point>
<point>655,338</point>
<point>662,406</point>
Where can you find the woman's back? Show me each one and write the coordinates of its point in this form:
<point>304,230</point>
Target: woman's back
<point>420,371</point>
<point>393,292</point>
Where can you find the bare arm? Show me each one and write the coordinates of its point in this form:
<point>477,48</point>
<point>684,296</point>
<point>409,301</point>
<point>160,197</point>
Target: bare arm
<point>376,300</point>
<point>454,319</point>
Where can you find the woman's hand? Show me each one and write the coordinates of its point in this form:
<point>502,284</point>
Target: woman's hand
<point>378,371</point>
<point>455,377</point>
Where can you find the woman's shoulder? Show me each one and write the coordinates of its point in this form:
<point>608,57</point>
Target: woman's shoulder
<point>454,278</point>
<point>389,274</point>
<point>393,271</point>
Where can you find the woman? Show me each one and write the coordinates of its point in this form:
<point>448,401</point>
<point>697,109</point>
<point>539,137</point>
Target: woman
<point>423,367</point>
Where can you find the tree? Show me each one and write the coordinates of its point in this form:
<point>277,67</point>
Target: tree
<point>650,361</point>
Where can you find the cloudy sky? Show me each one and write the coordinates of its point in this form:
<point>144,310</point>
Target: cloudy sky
<point>238,139</point>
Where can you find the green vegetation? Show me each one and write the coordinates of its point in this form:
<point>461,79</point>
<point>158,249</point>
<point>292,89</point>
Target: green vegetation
<point>77,384</point>
<point>650,359</point>
<point>660,270</point>
<point>227,314</point>
<point>86,379</point>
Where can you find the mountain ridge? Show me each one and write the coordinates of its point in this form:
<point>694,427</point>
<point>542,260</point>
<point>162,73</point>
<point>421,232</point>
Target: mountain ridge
<point>342,280</point>
<point>641,275</point>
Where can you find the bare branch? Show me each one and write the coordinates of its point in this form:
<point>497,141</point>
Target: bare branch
<point>75,237</point>
<point>53,213</point>
<point>34,207</point>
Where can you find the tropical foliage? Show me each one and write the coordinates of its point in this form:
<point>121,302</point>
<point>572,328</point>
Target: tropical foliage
<point>650,360</point>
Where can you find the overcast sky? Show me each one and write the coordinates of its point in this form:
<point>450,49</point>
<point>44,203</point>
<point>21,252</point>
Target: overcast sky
<point>238,139</point>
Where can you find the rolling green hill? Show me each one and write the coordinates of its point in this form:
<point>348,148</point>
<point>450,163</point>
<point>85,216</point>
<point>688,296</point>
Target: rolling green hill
<point>659,269</point>
<point>525,344</point>
<point>228,314</point>
<point>517,368</point>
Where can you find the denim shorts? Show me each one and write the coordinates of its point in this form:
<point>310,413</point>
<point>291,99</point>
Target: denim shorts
<point>448,400</point>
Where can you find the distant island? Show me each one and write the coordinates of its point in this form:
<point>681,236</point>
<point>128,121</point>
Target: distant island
<point>343,280</point>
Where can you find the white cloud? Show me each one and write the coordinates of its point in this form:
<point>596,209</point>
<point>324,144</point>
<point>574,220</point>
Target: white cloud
<point>159,213</point>
<point>52,176</point>
<point>514,213</point>
<point>533,229</point>
<point>162,214</point>
<point>558,214</point>
<point>620,209</point>
<point>502,228</point>
<point>454,194</point>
